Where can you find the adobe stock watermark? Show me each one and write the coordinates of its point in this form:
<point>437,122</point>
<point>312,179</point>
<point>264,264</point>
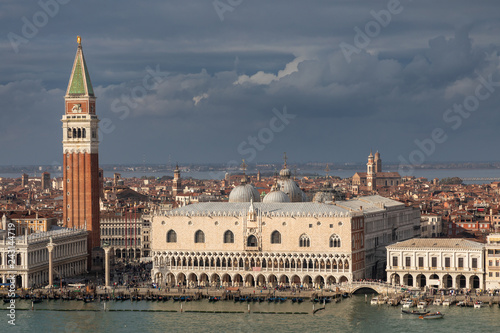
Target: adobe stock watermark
<point>454,118</point>
<point>11,274</point>
<point>253,144</point>
<point>372,29</point>
<point>223,6</point>
<point>126,102</point>
<point>31,26</point>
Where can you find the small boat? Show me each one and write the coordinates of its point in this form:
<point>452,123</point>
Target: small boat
<point>176,298</point>
<point>374,301</point>
<point>36,300</point>
<point>437,301</point>
<point>433,315</point>
<point>88,299</point>
<point>261,299</point>
<point>461,304</point>
<point>415,312</point>
<point>213,299</point>
<point>283,299</point>
<point>271,299</point>
<point>446,302</point>
<point>7,300</point>
<point>478,305</point>
<point>345,295</point>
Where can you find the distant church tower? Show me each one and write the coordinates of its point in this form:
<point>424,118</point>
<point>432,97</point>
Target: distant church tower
<point>81,154</point>
<point>378,162</point>
<point>371,176</point>
<point>177,183</point>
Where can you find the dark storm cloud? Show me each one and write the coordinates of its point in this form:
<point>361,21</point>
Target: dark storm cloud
<point>221,80</point>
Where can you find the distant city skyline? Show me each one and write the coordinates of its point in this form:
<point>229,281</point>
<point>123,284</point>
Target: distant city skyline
<point>208,83</point>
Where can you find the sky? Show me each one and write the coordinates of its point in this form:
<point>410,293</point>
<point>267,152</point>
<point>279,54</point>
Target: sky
<point>225,80</point>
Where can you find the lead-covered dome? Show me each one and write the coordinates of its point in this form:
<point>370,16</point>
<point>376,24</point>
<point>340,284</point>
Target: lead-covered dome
<point>244,193</point>
<point>276,195</point>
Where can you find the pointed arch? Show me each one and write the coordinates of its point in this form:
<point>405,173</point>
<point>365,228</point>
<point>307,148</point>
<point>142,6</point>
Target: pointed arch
<point>275,237</point>
<point>171,236</point>
<point>228,237</point>
<point>334,240</point>
<point>199,237</point>
<point>304,241</point>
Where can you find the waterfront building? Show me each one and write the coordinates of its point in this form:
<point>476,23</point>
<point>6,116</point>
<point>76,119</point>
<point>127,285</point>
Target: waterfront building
<point>32,256</point>
<point>277,241</point>
<point>436,262</point>
<point>492,259</point>
<point>374,177</point>
<point>386,221</point>
<point>257,244</point>
<point>81,154</point>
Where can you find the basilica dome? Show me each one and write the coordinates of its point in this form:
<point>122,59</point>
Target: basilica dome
<point>276,196</point>
<point>244,193</point>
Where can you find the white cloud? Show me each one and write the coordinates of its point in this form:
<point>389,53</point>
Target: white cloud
<point>266,78</point>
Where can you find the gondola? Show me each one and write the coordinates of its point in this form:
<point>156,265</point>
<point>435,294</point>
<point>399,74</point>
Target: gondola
<point>213,299</point>
<point>271,299</point>
<point>36,300</point>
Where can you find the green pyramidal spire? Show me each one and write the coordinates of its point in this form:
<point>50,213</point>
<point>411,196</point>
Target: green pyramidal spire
<point>79,82</point>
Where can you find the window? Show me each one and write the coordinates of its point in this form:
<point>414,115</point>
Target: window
<point>407,261</point>
<point>434,261</point>
<point>304,241</point>
<point>460,262</point>
<point>421,262</point>
<point>474,262</point>
<point>199,237</point>
<point>252,241</point>
<point>497,274</point>
<point>228,237</point>
<point>447,262</point>
<point>334,241</point>
<point>490,263</point>
<point>171,236</point>
<point>276,237</point>
<point>395,261</point>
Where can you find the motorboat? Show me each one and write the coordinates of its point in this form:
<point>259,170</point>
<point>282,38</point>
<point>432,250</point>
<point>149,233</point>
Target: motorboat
<point>437,301</point>
<point>374,301</point>
<point>421,305</point>
<point>446,302</point>
<point>433,315</point>
<point>407,303</point>
<point>478,305</point>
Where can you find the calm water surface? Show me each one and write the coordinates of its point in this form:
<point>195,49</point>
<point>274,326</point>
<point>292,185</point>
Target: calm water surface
<point>351,315</point>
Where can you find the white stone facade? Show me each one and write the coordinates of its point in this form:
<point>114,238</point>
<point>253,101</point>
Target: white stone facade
<point>30,260</point>
<point>437,262</point>
<point>492,254</point>
<point>257,244</point>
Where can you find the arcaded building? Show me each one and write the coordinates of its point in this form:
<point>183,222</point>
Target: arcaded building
<point>438,262</point>
<point>245,242</point>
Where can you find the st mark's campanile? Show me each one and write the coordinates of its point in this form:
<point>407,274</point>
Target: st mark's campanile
<point>81,154</point>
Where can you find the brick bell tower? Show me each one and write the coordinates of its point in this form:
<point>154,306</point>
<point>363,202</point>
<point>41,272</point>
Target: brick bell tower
<point>81,154</point>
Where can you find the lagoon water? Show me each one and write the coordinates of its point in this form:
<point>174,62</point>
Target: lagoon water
<point>350,315</point>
